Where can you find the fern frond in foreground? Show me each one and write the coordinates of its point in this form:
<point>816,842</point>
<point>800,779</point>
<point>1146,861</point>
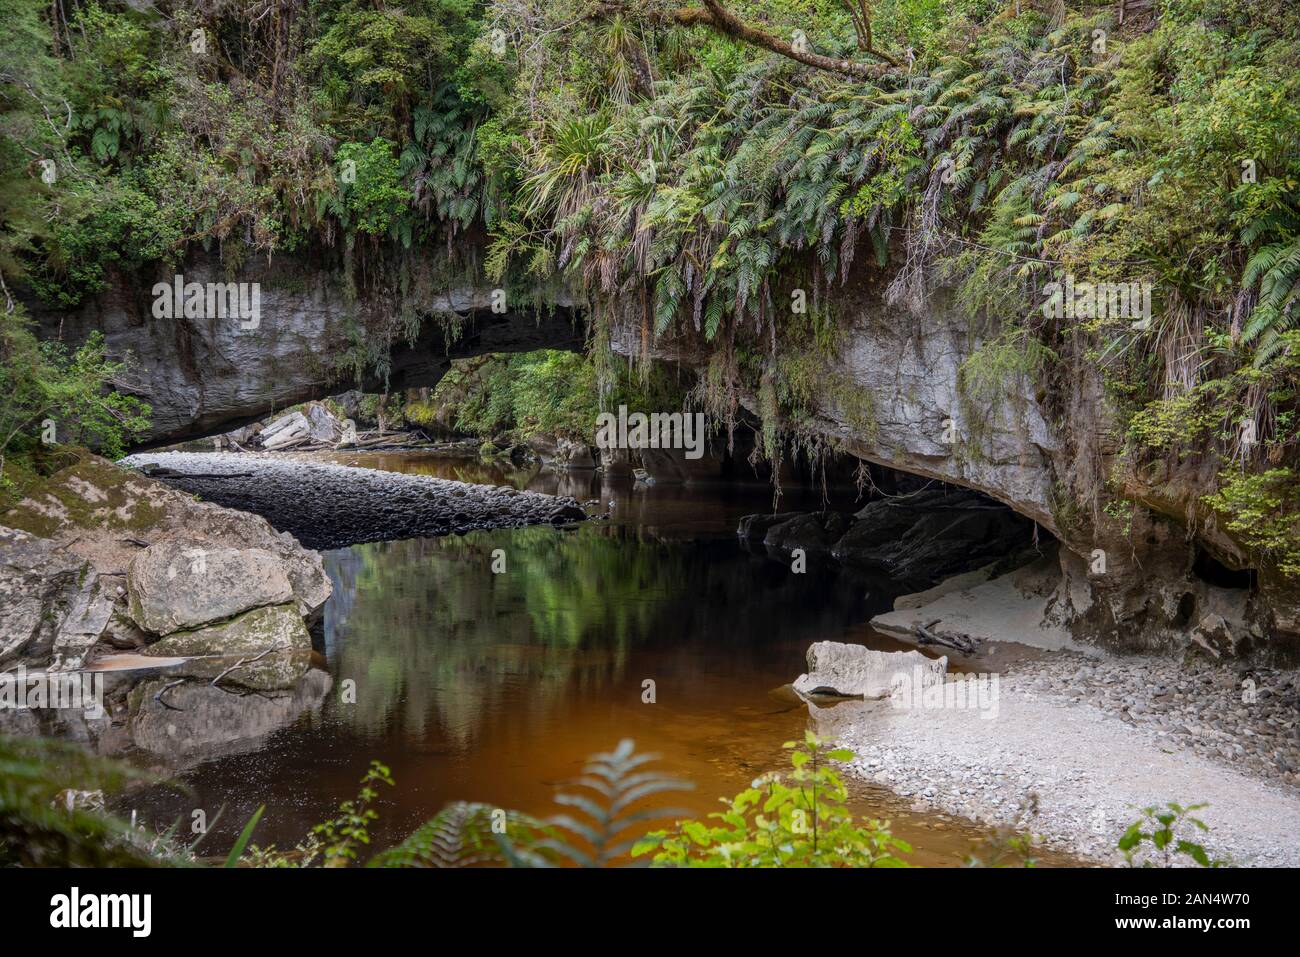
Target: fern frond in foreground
<point>605,802</point>
<point>465,834</point>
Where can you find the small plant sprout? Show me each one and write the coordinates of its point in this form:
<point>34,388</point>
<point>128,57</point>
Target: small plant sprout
<point>1163,830</point>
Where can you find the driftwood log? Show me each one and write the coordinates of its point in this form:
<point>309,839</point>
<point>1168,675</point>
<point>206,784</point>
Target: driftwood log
<point>926,635</point>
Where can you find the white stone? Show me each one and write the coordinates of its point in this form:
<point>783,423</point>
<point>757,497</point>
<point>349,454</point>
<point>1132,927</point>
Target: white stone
<point>836,668</point>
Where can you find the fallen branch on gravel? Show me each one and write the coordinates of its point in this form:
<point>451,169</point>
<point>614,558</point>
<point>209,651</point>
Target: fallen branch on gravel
<point>925,635</point>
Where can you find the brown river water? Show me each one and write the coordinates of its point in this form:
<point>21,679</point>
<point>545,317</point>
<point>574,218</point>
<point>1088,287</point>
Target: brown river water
<point>494,687</point>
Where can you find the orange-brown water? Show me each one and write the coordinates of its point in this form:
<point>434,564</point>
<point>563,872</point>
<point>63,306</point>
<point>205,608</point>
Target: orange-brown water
<point>491,686</point>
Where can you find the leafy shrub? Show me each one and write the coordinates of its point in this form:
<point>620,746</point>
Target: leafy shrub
<point>334,842</point>
<point>344,833</point>
<point>1262,511</point>
<point>1162,829</point>
<point>376,200</point>
<point>40,381</point>
<point>548,392</point>
<point>795,820</point>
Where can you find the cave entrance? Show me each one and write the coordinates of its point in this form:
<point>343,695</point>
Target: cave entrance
<point>530,419</point>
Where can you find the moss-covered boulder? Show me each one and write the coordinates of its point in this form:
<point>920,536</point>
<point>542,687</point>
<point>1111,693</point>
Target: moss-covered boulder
<point>272,644</point>
<point>96,547</point>
<point>106,515</point>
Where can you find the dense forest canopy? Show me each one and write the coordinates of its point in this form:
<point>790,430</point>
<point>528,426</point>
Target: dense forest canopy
<point>688,167</point>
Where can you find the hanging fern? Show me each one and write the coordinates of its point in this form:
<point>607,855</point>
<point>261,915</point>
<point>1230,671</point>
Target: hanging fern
<point>1275,268</point>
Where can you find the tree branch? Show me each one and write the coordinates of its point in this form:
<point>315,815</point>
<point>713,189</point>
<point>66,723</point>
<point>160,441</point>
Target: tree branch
<point>722,20</point>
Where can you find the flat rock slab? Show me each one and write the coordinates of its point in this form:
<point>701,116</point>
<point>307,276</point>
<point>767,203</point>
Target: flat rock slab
<point>1023,606</point>
<point>332,506</point>
<point>854,671</point>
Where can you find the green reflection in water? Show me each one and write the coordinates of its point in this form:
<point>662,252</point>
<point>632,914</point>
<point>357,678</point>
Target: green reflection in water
<point>431,630</point>
<point>438,644</point>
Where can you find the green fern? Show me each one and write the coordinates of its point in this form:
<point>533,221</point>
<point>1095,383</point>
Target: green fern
<point>608,812</point>
<point>1275,268</point>
<point>464,834</point>
<point>614,785</point>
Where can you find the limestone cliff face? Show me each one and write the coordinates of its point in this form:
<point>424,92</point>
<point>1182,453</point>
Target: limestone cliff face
<point>206,374</point>
<point>919,420</point>
<point>894,394</point>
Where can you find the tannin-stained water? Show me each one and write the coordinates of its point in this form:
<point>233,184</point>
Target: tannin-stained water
<point>493,685</point>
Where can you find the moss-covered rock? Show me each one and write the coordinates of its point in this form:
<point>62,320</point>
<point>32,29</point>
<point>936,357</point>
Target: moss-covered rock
<point>95,546</point>
<point>272,642</point>
<point>105,515</point>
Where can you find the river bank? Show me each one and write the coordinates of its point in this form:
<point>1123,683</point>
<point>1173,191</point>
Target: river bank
<point>1095,741</point>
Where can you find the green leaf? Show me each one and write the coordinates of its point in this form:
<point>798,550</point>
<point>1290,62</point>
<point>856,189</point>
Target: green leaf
<point>236,852</point>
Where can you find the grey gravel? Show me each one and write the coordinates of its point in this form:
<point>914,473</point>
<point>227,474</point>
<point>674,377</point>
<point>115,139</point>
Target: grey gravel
<point>1096,741</point>
<point>330,506</point>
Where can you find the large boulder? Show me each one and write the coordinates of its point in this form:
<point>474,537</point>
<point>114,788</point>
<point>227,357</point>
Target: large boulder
<point>814,532</point>
<point>918,540</point>
<point>46,596</point>
<point>70,544</point>
<point>754,528</point>
<point>322,424</point>
<point>561,452</point>
<point>570,454</point>
<point>850,671</point>
<point>672,465</point>
<point>178,584</point>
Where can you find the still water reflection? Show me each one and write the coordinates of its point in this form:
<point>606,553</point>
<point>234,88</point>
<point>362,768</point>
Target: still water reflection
<point>493,686</point>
